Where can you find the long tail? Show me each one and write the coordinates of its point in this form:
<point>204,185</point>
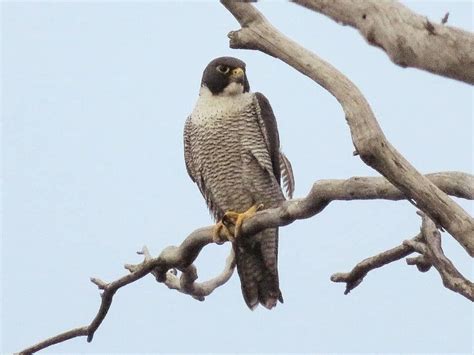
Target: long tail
<point>257,258</point>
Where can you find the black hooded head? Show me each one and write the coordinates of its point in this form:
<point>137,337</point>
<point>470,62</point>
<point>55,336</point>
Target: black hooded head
<point>223,71</point>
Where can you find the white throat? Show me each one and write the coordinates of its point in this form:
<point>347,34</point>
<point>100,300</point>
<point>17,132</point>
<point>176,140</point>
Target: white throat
<point>233,89</point>
<point>210,107</point>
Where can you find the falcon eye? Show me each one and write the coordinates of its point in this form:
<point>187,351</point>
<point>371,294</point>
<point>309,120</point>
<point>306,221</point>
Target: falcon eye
<point>223,69</point>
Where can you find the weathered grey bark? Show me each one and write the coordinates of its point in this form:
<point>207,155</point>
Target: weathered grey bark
<point>186,282</point>
<point>428,244</point>
<point>182,257</point>
<point>371,145</point>
<point>410,40</point>
<point>357,274</point>
<point>432,253</point>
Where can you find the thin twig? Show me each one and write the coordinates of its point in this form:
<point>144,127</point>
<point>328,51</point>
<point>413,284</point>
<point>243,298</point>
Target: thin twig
<point>444,20</point>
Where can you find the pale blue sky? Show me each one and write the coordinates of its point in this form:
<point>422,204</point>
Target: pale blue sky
<point>95,96</point>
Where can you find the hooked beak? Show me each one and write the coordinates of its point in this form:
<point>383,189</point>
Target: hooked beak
<point>237,74</point>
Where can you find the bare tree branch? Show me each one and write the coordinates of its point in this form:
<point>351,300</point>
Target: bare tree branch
<point>182,257</point>
<point>373,148</point>
<point>356,276</point>
<point>410,40</point>
<point>186,282</point>
<point>428,244</point>
<point>433,252</point>
<point>421,262</point>
<point>369,188</point>
<point>171,257</point>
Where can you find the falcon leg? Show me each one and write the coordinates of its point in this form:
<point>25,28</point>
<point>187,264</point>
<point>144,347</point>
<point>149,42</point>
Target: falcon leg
<point>221,233</point>
<point>238,218</point>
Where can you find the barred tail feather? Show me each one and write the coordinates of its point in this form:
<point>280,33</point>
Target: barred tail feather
<point>256,259</point>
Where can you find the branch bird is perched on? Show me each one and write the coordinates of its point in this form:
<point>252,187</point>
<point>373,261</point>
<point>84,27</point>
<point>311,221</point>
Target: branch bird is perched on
<point>232,153</point>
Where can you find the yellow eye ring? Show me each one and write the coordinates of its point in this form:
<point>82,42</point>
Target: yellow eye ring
<point>223,69</point>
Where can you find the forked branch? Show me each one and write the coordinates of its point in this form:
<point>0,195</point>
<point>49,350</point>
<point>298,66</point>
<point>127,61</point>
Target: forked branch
<point>186,283</point>
<point>182,257</point>
<point>428,244</point>
<point>432,252</point>
<point>357,274</point>
<point>370,142</point>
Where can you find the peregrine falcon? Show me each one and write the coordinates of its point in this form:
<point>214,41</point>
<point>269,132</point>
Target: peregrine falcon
<point>232,152</point>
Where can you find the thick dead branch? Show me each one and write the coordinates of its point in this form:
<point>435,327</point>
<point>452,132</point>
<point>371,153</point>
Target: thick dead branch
<point>371,188</point>
<point>371,144</point>
<point>356,276</point>
<point>182,257</point>
<point>410,40</point>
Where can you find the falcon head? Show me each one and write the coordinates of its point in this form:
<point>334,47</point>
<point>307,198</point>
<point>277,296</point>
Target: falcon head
<point>226,76</point>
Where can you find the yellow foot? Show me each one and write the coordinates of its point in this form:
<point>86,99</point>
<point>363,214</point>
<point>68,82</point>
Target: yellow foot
<point>221,233</point>
<point>237,219</point>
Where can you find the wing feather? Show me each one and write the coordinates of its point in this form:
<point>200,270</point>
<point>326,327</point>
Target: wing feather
<point>269,129</point>
<point>287,175</point>
<point>280,163</point>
